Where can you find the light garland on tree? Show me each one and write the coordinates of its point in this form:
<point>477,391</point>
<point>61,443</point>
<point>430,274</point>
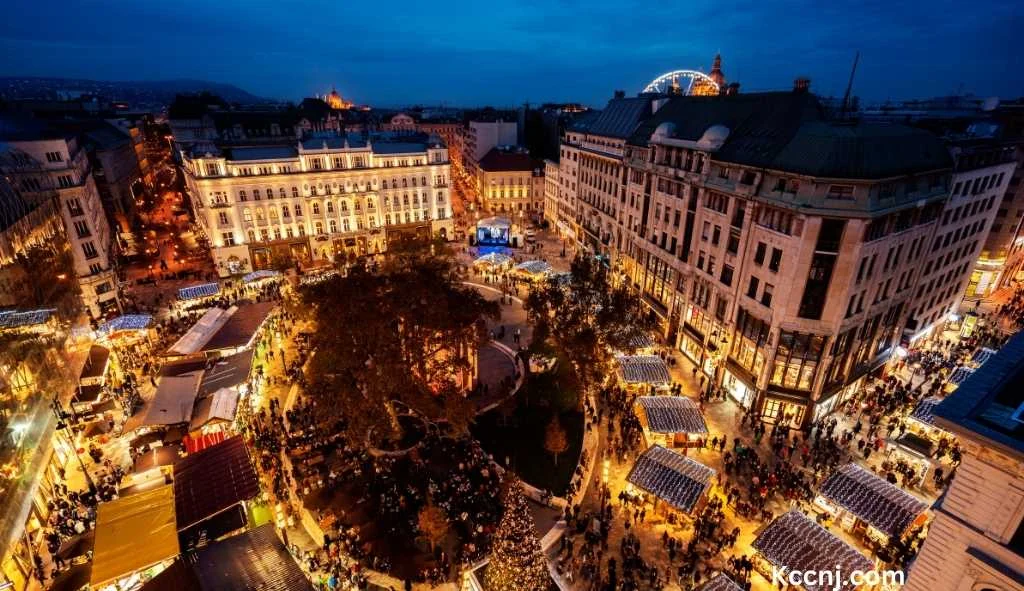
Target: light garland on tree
<point>516,562</point>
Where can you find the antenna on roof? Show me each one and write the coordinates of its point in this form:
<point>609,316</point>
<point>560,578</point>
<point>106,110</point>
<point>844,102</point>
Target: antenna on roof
<point>849,85</point>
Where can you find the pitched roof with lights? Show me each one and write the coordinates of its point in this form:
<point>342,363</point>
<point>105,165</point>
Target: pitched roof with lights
<point>881,504</point>
<point>671,476</point>
<point>672,414</point>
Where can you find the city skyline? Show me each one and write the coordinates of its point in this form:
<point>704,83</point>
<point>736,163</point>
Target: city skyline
<point>508,54</point>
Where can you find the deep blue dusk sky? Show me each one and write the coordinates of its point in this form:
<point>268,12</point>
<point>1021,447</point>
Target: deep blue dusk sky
<point>507,52</point>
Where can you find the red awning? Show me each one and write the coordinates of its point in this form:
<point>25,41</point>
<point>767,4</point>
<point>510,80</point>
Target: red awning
<point>195,444</point>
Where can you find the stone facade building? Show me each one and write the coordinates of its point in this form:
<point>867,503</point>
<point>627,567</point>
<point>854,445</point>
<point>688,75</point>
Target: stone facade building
<point>783,252</point>
<point>318,198</point>
<point>509,181</point>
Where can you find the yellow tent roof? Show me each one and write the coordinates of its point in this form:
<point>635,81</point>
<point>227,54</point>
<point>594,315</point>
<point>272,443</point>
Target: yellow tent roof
<point>133,533</point>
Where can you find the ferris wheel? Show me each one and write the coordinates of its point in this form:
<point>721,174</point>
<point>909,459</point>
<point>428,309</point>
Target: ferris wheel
<point>685,82</point>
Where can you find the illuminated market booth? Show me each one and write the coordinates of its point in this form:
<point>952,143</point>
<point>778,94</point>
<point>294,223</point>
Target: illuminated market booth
<point>262,275</point>
<point>795,542</point>
<point>675,483</point>
<point>640,370</point>
<point>720,582</point>
<point>198,292</point>
<point>254,559</point>
<point>672,421</point>
<point>92,381</point>
<point>224,332</point>
<point>869,506</point>
<point>957,377</point>
<point>493,261</point>
<point>921,420</point>
<point>26,321</point>
<point>533,270</point>
<point>136,538</point>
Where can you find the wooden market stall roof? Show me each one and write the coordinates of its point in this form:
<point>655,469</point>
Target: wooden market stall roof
<point>643,369</point>
<point>212,480</point>
<point>883,505</point>
<point>671,476</point>
<point>133,533</point>
<point>795,542</point>
<point>672,414</point>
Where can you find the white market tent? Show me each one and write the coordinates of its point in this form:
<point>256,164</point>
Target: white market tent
<point>880,504</point>
<point>197,336</point>
<point>174,399</point>
<point>259,275</point>
<point>195,292</point>
<point>671,476</point>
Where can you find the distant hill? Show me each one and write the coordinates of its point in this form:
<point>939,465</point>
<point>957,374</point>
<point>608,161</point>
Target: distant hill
<point>139,94</point>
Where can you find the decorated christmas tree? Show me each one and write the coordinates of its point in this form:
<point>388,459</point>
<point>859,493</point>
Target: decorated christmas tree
<point>517,563</point>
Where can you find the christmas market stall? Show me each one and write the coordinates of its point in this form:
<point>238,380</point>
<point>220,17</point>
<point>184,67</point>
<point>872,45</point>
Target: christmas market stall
<point>254,559</point>
<point>869,506</point>
<point>672,421</point>
<point>126,323</point>
<point>675,482</point>
<point>921,420</point>
<point>532,270</point>
<point>981,356</point>
<point>211,488</point>
<point>262,275</point>
<point>136,538</point>
<point>92,381</point>
<point>720,582</point>
<point>643,370</point>
<point>238,333</point>
<point>795,542</point>
<point>201,332</point>
<point>957,377</point>
<point>26,321</point>
<point>493,261</point>
<point>174,400</point>
<point>198,292</point>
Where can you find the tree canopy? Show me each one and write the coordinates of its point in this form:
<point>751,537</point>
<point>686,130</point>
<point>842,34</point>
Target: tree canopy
<point>402,339</point>
<point>587,317</point>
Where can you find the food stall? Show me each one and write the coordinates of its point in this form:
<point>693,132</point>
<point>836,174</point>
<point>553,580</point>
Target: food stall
<point>866,505</point>
<point>672,482</point>
<point>672,421</point>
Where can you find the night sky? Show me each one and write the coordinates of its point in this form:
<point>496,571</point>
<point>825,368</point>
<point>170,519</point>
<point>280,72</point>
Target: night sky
<point>507,52</point>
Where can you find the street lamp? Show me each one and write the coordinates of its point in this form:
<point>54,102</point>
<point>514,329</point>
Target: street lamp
<point>61,414</point>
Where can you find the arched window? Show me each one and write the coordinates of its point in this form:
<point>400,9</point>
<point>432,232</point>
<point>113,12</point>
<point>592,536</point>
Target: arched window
<point>332,226</point>
<point>330,207</point>
<point>284,211</point>
<point>344,207</point>
<point>273,214</point>
<point>260,216</point>
<point>344,224</point>
<point>319,227</point>
<point>316,207</point>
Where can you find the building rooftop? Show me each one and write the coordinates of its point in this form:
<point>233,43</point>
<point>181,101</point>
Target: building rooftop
<point>788,131</point>
<point>257,153</point>
<point>619,119</point>
<point>989,405</point>
<point>498,160</point>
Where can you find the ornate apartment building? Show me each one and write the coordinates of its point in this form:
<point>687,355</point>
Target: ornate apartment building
<point>318,198</point>
<point>509,182</point>
<point>976,541</point>
<point>782,252</point>
<point>47,165</point>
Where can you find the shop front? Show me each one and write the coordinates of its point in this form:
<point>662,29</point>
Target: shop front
<point>784,409</point>
<point>739,385</point>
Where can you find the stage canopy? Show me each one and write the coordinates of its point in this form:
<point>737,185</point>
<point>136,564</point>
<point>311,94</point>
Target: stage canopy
<point>671,476</point>
<point>875,501</point>
<point>924,412</point>
<point>174,399</point>
<point>672,414</point>
<point>795,542</point>
<point>194,292</point>
<point>494,222</point>
<point>259,275</point>
<point>125,323</point>
<point>643,369</point>
<point>133,533</point>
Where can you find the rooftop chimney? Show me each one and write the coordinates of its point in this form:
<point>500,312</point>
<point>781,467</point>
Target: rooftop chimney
<point>802,84</point>
<point>620,94</point>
